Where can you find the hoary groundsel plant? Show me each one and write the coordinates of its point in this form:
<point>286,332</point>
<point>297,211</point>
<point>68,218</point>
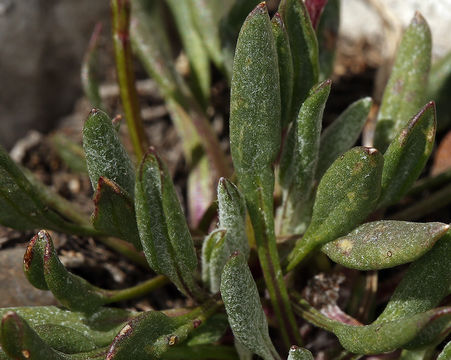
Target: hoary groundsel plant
<point>299,204</point>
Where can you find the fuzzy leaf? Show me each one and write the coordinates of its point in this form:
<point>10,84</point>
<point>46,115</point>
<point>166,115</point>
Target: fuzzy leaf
<point>384,244</point>
<point>100,327</point>
<point>33,262</point>
<point>285,67</point>
<point>114,212</point>
<point>163,230</point>
<point>71,290</point>
<point>439,90</point>
<point>425,284</point>
<point>22,205</point>
<point>304,50</point>
<point>244,310</point>
<point>19,341</point>
<point>405,90</point>
<point>327,34</point>
<point>407,154</point>
<point>446,352</point>
<point>150,334</point>
<point>388,335</point>
<point>193,45</point>
<point>300,155</point>
<point>347,194</point>
<point>297,353</point>
<point>232,216</point>
<point>105,155</point>
<point>210,332</point>
<point>255,100</point>
<point>342,134</point>
<point>211,273</point>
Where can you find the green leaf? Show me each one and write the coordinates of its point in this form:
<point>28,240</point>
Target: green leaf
<point>388,335</point>
<point>327,34</point>
<point>33,262</point>
<point>150,334</point>
<point>406,156</point>
<point>71,290</point>
<point>100,327</point>
<point>297,353</point>
<point>105,155</point>
<point>23,206</point>
<point>342,134</point>
<point>384,244</point>
<point>304,50</point>
<point>255,137</point>
<point>210,332</point>
<point>193,45</point>
<point>19,341</point>
<point>426,283</point>
<point>163,230</point>
<point>70,152</point>
<point>244,310</point>
<point>255,100</point>
<point>232,217</point>
<point>439,90</point>
<point>285,67</point>
<point>114,212</point>
<point>405,90</point>
<point>347,194</point>
<point>211,265</point>
<point>300,156</point>
<point>446,352</point>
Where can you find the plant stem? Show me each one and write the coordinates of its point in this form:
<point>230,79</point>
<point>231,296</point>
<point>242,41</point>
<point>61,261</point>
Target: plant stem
<point>125,74</point>
<point>138,290</point>
<point>126,249</point>
<point>426,206</point>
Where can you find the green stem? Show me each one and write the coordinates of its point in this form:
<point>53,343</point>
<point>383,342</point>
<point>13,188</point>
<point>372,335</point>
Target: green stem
<point>263,223</point>
<point>138,290</point>
<point>310,314</point>
<point>125,74</point>
<point>426,206</point>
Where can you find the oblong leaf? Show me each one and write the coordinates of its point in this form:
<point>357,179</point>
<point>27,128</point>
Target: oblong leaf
<point>347,194</point>
<point>300,156</point>
<point>405,90</point>
<point>33,262</point>
<point>244,310</point>
<point>114,212</point>
<point>384,244</point>
<point>297,353</point>
<point>426,283</point>
<point>285,62</point>
<point>388,335</point>
<point>407,154</point>
<point>211,275</point>
<point>342,134</point>
<point>105,155</point>
<point>101,327</point>
<point>304,50</point>
<point>163,230</point>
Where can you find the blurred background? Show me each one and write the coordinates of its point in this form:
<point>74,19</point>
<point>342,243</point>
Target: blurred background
<point>43,43</point>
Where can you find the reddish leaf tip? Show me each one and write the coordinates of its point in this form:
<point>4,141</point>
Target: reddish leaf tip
<point>28,256</point>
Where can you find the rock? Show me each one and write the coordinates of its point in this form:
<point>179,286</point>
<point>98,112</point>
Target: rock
<point>15,290</point>
<point>43,42</point>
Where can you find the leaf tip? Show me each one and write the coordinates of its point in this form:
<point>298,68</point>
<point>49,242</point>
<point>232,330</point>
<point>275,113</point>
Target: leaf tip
<point>28,256</point>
